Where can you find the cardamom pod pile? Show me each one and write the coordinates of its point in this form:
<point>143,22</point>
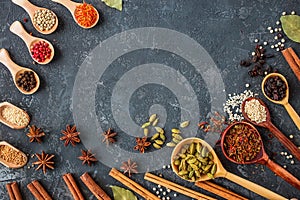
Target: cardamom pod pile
<point>194,160</point>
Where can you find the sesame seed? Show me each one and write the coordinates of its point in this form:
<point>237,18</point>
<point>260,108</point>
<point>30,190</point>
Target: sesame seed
<point>159,196</point>
<point>168,198</point>
<point>272,46</point>
<point>262,55</point>
<point>276,29</point>
<point>282,45</point>
<point>175,195</point>
<point>168,190</point>
<point>276,37</point>
<point>256,40</point>
<point>161,189</point>
<point>291,156</point>
<point>265,43</point>
<point>163,198</point>
<point>169,166</point>
<point>260,47</point>
<point>253,53</point>
<point>282,40</point>
<point>284,166</point>
<point>269,28</point>
<point>154,189</point>
<point>271,31</point>
<point>285,153</point>
<point>277,49</point>
<point>164,193</point>
<point>247,85</point>
<point>293,12</point>
<point>282,153</point>
<point>287,157</point>
<point>157,192</point>
<point>291,136</point>
<point>279,43</point>
<point>283,13</point>
<point>276,45</point>
<point>277,22</point>
<point>279,29</point>
<point>159,186</point>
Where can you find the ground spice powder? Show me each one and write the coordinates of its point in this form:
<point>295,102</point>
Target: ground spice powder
<point>12,156</point>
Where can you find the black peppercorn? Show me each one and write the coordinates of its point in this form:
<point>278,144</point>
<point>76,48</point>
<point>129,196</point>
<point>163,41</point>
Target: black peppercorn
<point>26,81</point>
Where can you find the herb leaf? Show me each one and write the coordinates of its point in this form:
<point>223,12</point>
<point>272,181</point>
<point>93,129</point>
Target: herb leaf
<point>122,194</point>
<point>117,4</point>
<point>291,26</point>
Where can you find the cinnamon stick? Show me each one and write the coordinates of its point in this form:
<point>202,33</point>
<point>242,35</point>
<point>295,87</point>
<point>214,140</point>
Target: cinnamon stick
<point>16,191</point>
<point>10,192</point>
<point>70,182</point>
<point>93,187</point>
<point>293,60</point>
<point>132,185</point>
<point>38,191</point>
<point>13,191</point>
<point>218,190</point>
<point>178,188</point>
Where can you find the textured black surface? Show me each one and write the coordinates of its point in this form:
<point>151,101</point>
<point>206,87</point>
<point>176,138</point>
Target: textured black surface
<point>226,29</point>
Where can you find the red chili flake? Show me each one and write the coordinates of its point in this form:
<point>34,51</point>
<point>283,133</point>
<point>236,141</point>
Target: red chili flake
<point>25,19</point>
<point>202,124</point>
<point>86,15</point>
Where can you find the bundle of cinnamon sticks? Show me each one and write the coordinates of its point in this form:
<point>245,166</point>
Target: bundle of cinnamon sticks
<point>13,191</point>
<point>293,60</point>
<point>38,191</point>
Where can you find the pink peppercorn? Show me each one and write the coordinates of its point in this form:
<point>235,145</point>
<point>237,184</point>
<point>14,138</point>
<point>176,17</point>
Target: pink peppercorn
<point>40,51</point>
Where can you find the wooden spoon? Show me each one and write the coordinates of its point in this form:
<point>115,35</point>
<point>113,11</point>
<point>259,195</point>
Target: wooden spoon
<point>31,9</point>
<point>221,171</point>
<point>16,70</point>
<point>261,157</point>
<point>269,125</point>
<point>29,40</point>
<point>285,101</point>
<point>71,6</point>
<point>8,123</point>
<point>8,164</point>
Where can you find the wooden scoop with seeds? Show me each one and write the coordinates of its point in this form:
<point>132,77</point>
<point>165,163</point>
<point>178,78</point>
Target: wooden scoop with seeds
<point>16,70</point>
<point>32,11</point>
<point>11,157</point>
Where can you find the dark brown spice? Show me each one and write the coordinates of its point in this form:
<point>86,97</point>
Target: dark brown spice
<point>242,143</point>
<point>44,161</point>
<point>35,134</point>
<point>87,157</point>
<point>70,135</point>
<point>275,88</point>
<point>26,81</point>
<point>109,136</point>
<point>141,144</point>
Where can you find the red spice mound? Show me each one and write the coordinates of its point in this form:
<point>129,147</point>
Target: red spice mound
<point>86,15</point>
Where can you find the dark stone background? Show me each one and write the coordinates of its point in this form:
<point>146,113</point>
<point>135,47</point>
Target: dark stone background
<point>226,29</point>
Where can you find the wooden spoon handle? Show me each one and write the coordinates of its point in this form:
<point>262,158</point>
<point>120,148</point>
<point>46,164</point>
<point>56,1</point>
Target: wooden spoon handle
<point>6,60</point>
<point>254,187</point>
<point>287,176</point>
<point>29,7</point>
<point>18,29</point>
<point>70,5</point>
<point>295,117</point>
<point>284,140</point>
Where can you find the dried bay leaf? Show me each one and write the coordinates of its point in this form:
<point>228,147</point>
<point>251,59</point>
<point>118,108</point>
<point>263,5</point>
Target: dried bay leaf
<point>291,26</point>
<point>122,194</point>
<point>117,4</point>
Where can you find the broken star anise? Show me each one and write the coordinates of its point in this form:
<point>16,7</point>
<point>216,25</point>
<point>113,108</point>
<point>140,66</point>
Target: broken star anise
<point>141,144</point>
<point>87,157</point>
<point>70,135</point>
<point>44,161</point>
<point>109,136</point>
<point>129,167</point>
<point>35,134</point>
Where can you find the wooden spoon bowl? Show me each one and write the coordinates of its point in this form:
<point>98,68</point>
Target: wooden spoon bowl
<point>269,125</point>
<point>9,164</point>
<point>71,6</point>
<point>285,101</point>
<point>29,40</point>
<point>261,157</point>
<point>31,9</point>
<point>4,105</point>
<point>221,171</point>
<point>16,70</point>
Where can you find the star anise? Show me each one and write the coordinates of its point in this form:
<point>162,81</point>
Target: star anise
<point>109,136</point>
<point>87,157</point>
<point>129,167</point>
<point>70,135</point>
<point>44,161</point>
<point>35,134</point>
<point>141,144</point>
